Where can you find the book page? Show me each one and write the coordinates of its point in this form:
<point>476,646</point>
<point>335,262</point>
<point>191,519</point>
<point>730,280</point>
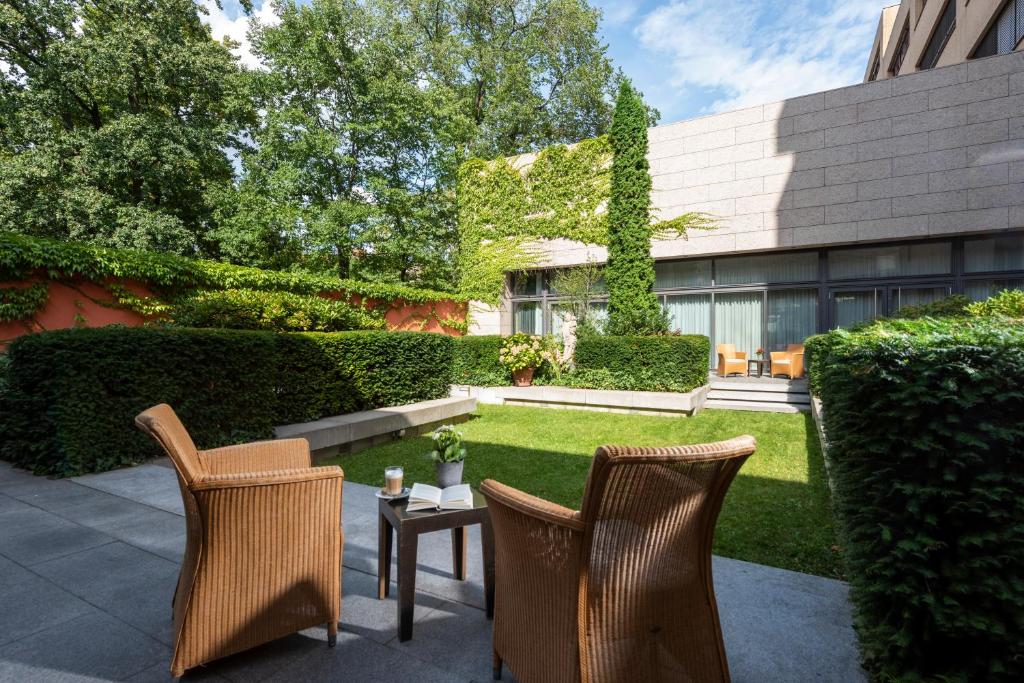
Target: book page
<point>459,496</point>
<point>424,496</point>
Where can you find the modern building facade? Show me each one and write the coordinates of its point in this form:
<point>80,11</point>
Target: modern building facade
<point>832,208</point>
<point>917,35</point>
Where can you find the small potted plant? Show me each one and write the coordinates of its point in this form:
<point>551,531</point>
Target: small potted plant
<point>523,354</point>
<point>449,455</point>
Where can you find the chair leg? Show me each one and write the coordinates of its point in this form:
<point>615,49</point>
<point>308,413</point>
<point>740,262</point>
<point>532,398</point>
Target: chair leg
<point>332,634</point>
<point>497,666</point>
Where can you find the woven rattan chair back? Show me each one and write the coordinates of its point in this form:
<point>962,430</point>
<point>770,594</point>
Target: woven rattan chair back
<point>648,610</point>
<point>163,424</point>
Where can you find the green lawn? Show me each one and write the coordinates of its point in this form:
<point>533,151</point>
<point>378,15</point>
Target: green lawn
<point>776,513</point>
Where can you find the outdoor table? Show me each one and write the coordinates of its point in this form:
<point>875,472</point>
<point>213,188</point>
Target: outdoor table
<point>763,365</point>
<point>395,518</point>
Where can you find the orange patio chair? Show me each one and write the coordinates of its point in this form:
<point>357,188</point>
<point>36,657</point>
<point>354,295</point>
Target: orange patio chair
<point>731,361</point>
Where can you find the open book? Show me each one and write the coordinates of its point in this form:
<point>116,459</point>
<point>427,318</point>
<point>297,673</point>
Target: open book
<point>424,497</point>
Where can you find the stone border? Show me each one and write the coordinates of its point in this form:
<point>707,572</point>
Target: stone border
<point>343,434</point>
<point>818,415</point>
<point>628,402</point>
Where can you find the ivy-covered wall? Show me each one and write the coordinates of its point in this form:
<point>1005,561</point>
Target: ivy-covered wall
<point>507,204</point>
<point>45,285</point>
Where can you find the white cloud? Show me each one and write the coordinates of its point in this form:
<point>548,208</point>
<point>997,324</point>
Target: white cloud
<point>221,25</point>
<point>617,13</point>
<point>742,53</point>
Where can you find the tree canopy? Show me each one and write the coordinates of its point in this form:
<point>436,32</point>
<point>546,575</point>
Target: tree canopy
<point>124,122</point>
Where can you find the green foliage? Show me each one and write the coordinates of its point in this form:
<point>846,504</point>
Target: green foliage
<point>477,362</point>
<point>927,460</point>
<point>22,303</point>
<point>641,363</point>
<point>115,122</point>
<point>633,307</point>
<point>21,255</point>
<point>73,394</point>
<point>951,306</point>
<point>502,210</point>
<point>248,309</point>
<point>579,286</point>
<point>523,351</point>
<point>1008,303</point>
<point>447,445</point>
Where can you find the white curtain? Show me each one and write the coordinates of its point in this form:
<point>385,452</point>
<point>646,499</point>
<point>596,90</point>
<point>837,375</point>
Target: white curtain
<point>853,307</point>
<point>741,270</point>
<point>738,320</point>
<point>527,317</point>
<point>792,317</point>
<point>689,313</point>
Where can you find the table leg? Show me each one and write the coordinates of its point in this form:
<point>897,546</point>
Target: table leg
<point>407,543</point>
<point>487,546</point>
<point>459,552</point>
<point>385,536</point>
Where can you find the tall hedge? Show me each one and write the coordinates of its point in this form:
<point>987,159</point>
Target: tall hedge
<point>476,361</point>
<point>73,394</point>
<point>643,363</point>
<point>633,307</point>
<point>926,423</point>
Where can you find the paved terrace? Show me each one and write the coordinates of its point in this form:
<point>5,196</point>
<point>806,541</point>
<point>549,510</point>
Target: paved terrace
<point>88,567</point>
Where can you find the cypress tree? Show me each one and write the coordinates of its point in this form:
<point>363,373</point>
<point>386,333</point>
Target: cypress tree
<point>633,308</point>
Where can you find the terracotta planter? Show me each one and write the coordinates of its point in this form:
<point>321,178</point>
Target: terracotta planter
<point>523,378</point>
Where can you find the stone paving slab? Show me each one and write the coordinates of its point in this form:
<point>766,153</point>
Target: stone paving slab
<point>86,578</point>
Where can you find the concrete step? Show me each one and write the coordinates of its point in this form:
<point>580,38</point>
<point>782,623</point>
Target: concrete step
<point>761,406</point>
<point>797,387</point>
<point>771,397</point>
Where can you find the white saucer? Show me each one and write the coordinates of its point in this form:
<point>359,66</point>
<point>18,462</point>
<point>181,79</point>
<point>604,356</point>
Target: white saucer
<point>397,496</point>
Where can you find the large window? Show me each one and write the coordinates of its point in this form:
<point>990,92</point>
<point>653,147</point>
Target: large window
<point>994,254</point>
<point>906,260</point>
<point>901,52</point>
<point>767,268</point>
<point>682,274</point>
<point>773,300</point>
<point>940,36</point>
<point>1006,31</point>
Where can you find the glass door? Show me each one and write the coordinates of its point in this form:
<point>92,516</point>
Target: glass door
<point>851,306</point>
<point>739,320</point>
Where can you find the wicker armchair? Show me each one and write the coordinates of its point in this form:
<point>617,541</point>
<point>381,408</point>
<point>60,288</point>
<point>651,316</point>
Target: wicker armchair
<point>731,361</point>
<point>621,590</point>
<point>264,541</point>
<point>789,362</point>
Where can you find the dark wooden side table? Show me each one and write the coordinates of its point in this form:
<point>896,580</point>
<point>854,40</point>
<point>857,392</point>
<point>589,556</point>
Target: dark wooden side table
<point>394,517</point>
<point>762,365</point>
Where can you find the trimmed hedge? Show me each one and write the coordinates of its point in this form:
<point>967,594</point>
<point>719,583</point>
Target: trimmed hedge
<point>642,363</point>
<point>73,394</point>
<point>926,423</point>
<point>476,361</point>
<point>252,309</point>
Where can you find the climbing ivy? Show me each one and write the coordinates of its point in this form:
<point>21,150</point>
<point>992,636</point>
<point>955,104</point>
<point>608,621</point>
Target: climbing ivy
<point>21,303</point>
<point>507,204</point>
<point>21,256</point>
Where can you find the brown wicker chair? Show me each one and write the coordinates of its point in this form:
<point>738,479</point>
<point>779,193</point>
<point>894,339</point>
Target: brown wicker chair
<point>263,551</point>
<point>731,361</point>
<point>789,362</point>
<point>621,590</point>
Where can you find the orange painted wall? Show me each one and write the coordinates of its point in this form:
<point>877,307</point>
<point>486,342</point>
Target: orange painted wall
<point>79,303</point>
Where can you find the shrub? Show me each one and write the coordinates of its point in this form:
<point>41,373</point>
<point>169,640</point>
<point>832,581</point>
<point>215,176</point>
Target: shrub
<point>927,453</point>
<point>1008,303</point>
<point>524,351</point>
<point>73,394</point>
<point>250,309</point>
<point>952,306</point>
<point>642,363</point>
<point>477,361</point>
<point>633,307</point>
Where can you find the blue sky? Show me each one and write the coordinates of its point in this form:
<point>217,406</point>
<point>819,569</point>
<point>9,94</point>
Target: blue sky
<point>694,57</point>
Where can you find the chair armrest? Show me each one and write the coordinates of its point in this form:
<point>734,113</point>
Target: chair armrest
<point>260,456</point>
<point>532,506</point>
<point>741,355</point>
<point>235,480</point>
<point>781,357</point>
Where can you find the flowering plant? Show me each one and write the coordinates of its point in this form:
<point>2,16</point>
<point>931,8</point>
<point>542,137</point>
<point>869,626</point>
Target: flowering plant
<point>447,445</point>
<point>521,351</point>
<point>760,352</point>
